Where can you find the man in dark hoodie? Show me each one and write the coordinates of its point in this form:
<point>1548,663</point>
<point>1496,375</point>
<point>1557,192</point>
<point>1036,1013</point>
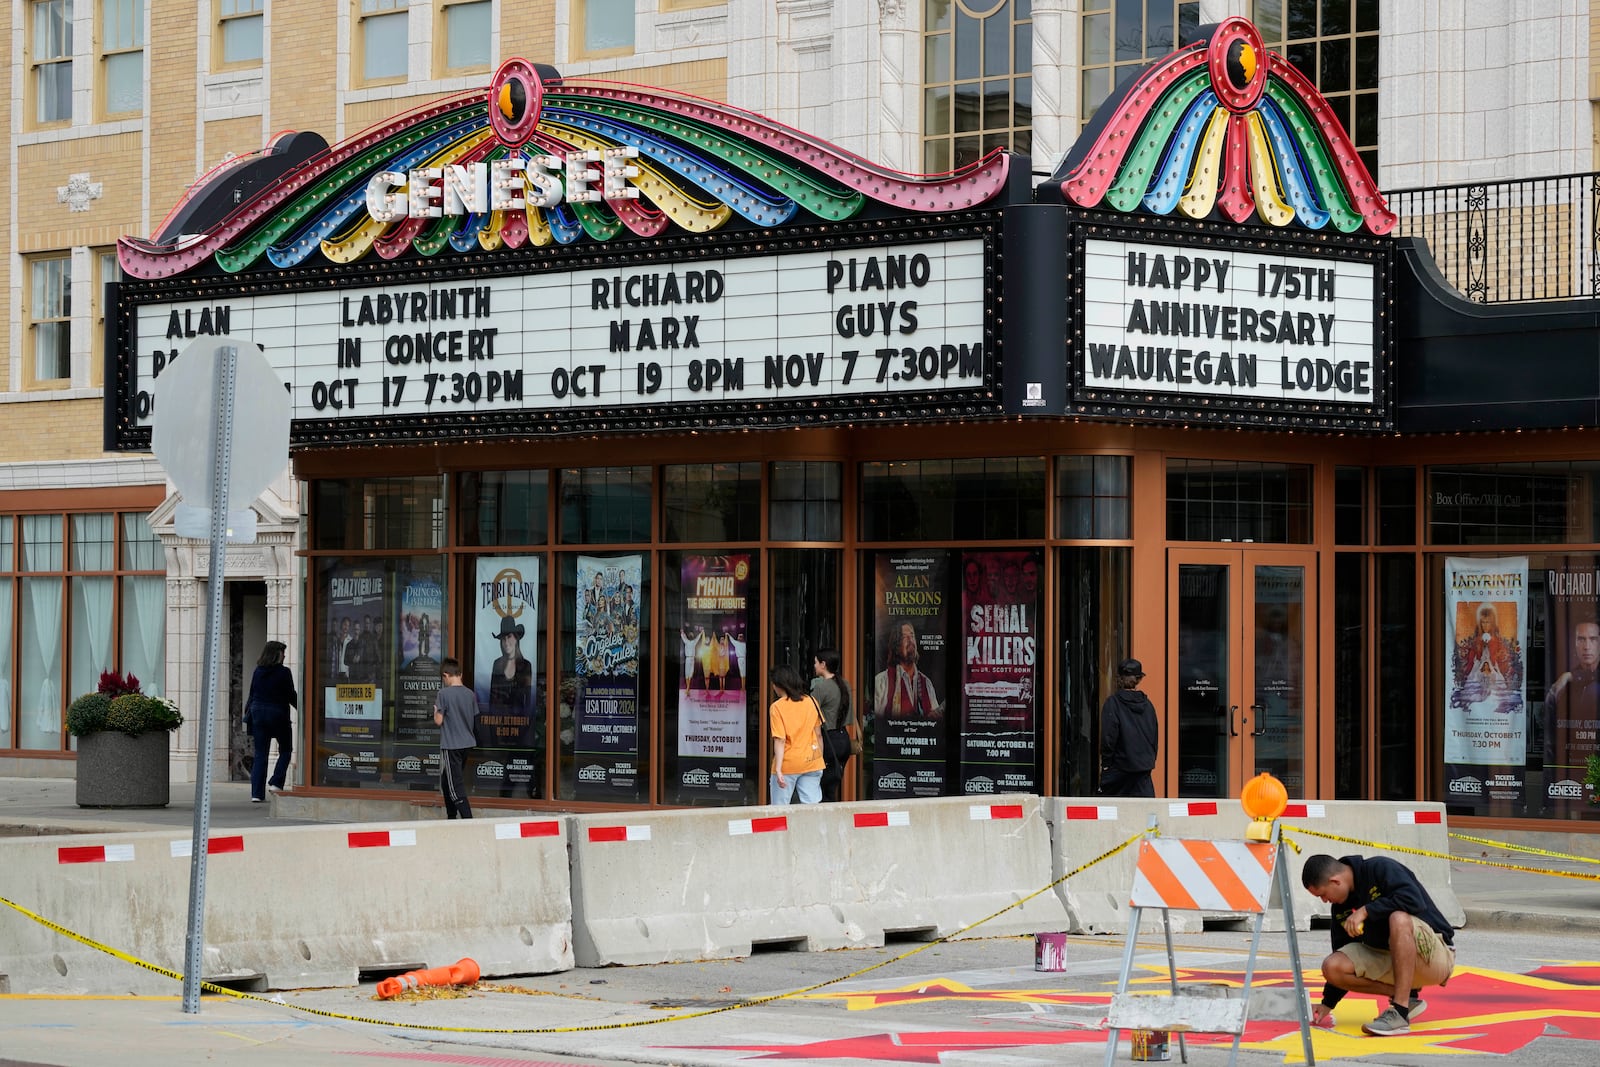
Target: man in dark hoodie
<point>1129,735</point>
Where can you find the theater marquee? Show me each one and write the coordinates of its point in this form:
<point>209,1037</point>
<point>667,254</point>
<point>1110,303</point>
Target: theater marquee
<point>1199,322</point>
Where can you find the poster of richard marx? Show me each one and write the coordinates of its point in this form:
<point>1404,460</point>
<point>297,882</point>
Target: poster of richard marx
<point>1572,685</point>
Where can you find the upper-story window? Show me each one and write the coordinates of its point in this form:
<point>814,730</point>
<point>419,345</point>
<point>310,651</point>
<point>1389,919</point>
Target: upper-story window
<point>464,40</point>
<point>50,61</point>
<point>1120,36</point>
<point>49,325</point>
<point>122,56</point>
<point>1335,44</point>
<point>382,27</point>
<point>241,31</point>
<point>977,80</point>
<point>602,27</point>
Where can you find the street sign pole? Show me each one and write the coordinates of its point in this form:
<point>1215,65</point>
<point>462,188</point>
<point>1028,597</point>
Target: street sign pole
<point>222,463</point>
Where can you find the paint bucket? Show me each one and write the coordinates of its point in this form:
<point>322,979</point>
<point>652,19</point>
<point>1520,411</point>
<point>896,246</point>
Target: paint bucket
<point>1049,952</point>
<point>1150,1046</point>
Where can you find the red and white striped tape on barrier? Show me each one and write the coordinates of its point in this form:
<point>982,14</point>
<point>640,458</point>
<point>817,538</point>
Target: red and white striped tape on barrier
<point>1181,808</point>
<point>1305,811</point>
<point>599,834</point>
<point>866,820</point>
<point>95,854</point>
<point>184,848</point>
<point>769,824</point>
<point>382,838</point>
<point>1092,812</point>
<point>988,812</point>
<point>1420,818</point>
<point>513,831</point>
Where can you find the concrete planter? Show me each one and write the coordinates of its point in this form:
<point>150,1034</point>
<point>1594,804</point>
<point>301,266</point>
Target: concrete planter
<point>118,771</point>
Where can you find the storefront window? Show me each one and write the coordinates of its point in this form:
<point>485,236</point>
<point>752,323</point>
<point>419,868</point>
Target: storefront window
<point>711,502</point>
<point>1351,654</point>
<point>952,643</point>
<point>1397,705</point>
<point>806,501</point>
<point>505,508</point>
<point>1514,504</point>
<point>1397,505</point>
<point>937,500</point>
<point>1225,500</point>
<point>711,678</point>
<point>605,505</point>
<point>1095,622</point>
<point>1349,506</point>
<point>1092,494</point>
<point>1520,685</point>
<point>378,513</point>
<point>604,651</point>
<point>73,604</point>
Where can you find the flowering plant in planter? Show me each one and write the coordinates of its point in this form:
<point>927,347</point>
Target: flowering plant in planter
<point>119,705</point>
<point>1592,779</point>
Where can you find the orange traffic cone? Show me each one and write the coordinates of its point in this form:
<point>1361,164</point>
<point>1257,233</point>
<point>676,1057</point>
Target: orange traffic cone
<point>462,972</point>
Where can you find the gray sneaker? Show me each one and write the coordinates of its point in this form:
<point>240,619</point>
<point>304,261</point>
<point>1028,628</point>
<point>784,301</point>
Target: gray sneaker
<point>1390,1024</point>
<point>1417,1007</point>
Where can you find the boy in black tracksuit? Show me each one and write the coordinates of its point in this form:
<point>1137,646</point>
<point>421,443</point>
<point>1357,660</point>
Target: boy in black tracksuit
<point>1389,937</point>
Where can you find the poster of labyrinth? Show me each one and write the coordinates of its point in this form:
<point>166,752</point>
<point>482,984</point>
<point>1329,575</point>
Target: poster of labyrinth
<point>1486,713</point>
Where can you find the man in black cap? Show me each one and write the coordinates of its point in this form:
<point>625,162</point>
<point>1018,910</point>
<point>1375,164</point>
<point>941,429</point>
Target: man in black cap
<point>1129,736</point>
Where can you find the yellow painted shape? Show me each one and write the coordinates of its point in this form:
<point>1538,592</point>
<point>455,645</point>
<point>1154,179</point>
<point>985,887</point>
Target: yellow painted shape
<point>1206,178</point>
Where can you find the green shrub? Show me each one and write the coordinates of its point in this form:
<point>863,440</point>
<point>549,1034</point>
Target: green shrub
<point>131,713</point>
<point>88,714</point>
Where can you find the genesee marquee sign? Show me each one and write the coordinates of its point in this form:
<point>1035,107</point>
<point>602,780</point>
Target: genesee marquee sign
<point>556,256</point>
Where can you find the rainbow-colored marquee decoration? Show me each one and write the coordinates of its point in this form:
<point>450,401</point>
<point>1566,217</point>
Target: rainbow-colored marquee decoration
<point>560,161</point>
<point>1223,126</point>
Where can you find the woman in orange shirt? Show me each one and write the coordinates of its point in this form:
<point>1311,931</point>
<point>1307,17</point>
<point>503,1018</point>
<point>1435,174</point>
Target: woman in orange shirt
<point>795,725</point>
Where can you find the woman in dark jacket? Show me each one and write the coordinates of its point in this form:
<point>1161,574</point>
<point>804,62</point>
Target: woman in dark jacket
<point>267,714</point>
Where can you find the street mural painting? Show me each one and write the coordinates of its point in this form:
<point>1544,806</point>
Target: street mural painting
<point>1480,1011</point>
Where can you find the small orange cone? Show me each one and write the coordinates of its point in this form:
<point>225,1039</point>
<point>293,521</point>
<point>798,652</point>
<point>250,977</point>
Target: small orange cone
<point>463,972</point>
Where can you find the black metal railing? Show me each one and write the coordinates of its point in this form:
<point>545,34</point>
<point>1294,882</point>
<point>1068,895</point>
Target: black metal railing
<point>1514,240</point>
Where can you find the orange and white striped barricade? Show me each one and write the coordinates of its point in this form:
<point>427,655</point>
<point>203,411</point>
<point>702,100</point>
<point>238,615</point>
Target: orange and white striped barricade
<point>1231,877</point>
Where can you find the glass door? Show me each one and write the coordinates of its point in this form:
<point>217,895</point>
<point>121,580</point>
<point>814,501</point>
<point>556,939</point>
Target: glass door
<point>1241,640</point>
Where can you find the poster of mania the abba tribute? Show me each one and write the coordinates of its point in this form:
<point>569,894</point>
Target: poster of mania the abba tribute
<point>1000,598</point>
<point>1486,713</point>
<point>354,670</point>
<point>1571,684</point>
<point>509,758</point>
<point>713,710</point>
<point>418,639</point>
<point>605,710</point>
<point>910,674</point>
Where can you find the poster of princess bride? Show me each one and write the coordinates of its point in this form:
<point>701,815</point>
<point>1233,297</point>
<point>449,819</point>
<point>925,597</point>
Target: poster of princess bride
<point>1486,609</point>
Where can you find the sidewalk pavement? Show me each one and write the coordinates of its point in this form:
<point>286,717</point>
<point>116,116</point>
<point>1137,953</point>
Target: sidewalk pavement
<point>1492,897</point>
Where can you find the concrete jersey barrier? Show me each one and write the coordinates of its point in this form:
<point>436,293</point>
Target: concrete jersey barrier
<point>290,907</point>
<point>652,887</point>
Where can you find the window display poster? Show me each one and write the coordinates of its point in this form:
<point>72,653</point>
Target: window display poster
<point>910,620</point>
<point>606,708</point>
<point>1572,683</point>
<point>420,636</point>
<point>1486,716</point>
<point>1000,600</point>
<point>505,625</point>
<point>356,659</point>
<point>712,707</point>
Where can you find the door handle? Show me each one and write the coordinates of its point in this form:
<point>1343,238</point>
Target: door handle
<point>1261,719</point>
<point>1233,731</point>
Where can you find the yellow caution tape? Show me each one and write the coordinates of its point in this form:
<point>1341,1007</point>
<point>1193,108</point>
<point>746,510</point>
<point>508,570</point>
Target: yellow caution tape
<point>1444,855</point>
<point>750,1003</point>
<point>1508,846</point>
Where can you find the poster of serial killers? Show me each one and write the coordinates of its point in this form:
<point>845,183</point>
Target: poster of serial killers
<point>712,706</point>
<point>911,616</point>
<point>1486,715</point>
<point>606,700</point>
<point>353,672</point>
<point>505,623</point>
<point>1572,682</point>
<point>1000,600</point>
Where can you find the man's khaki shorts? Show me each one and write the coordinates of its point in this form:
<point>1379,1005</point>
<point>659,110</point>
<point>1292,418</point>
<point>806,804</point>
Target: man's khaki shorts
<point>1435,959</point>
